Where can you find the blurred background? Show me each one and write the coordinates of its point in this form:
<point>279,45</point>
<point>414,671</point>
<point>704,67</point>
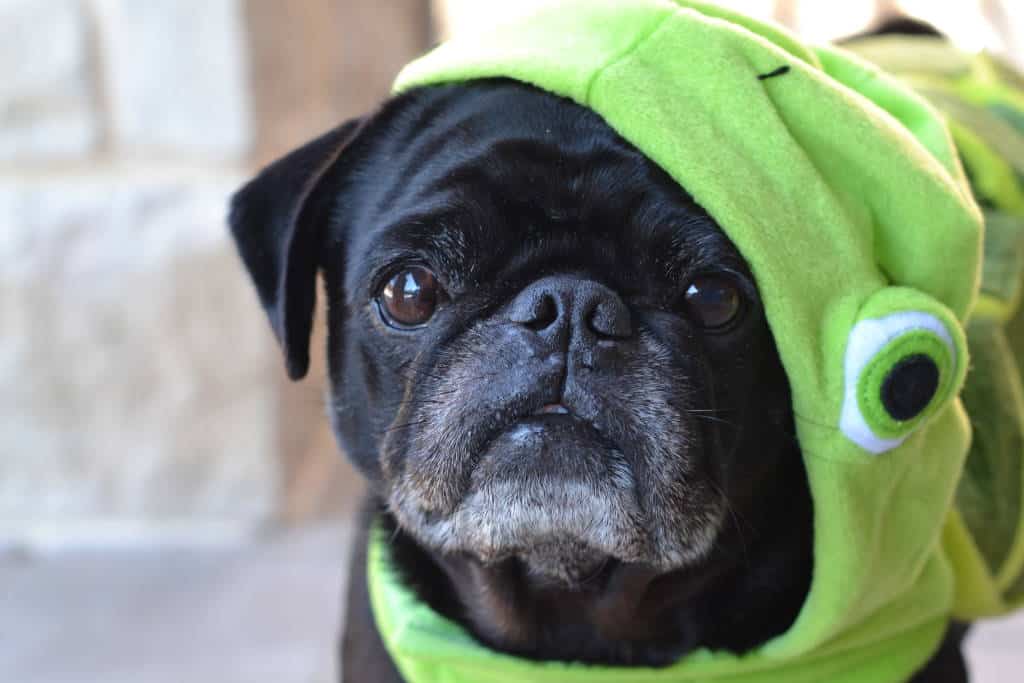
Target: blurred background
<point>171,507</point>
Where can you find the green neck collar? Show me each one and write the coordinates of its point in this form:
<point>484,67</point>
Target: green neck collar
<point>428,648</point>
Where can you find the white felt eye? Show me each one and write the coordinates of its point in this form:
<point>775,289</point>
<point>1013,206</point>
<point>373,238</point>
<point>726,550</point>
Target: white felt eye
<point>897,368</point>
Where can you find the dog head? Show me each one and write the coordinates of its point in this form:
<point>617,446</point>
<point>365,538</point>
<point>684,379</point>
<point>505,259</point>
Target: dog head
<point>542,351</point>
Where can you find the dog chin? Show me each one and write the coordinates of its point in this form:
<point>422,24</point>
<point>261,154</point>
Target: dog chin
<point>554,495</point>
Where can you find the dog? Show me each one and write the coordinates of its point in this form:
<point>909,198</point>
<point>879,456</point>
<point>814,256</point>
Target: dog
<point>555,371</point>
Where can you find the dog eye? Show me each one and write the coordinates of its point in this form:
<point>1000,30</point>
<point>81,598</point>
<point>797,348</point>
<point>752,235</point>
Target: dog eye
<point>714,302</point>
<point>410,297</point>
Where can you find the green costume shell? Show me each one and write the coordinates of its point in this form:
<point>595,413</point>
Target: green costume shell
<point>844,192</point>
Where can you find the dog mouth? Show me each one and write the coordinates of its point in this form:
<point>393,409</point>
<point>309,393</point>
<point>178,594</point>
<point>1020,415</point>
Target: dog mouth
<point>561,420</point>
<point>565,485</point>
<point>551,492</point>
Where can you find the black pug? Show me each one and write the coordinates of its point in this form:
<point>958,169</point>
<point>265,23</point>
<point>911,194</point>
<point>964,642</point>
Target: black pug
<point>522,306</point>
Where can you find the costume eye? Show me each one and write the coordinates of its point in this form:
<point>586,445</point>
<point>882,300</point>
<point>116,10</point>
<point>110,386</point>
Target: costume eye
<point>899,368</point>
<point>714,302</point>
<point>410,297</point>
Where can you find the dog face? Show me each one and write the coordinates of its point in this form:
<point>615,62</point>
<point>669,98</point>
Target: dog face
<point>543,353</point>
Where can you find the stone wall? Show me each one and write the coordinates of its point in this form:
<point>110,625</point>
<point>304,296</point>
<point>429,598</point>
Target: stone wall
<point>142,391</point>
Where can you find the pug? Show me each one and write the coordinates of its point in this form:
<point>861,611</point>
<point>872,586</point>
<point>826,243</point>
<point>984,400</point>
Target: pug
<point>555,372</point>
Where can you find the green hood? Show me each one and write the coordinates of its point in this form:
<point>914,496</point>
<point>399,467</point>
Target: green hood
<point>983,101</point>
<point>843,191</point>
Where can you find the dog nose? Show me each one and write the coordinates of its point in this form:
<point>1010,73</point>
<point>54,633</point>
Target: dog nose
<point>555,305</point>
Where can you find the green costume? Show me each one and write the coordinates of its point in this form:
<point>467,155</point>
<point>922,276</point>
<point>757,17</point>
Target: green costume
<point>844,192</point>
<point>983,101</point>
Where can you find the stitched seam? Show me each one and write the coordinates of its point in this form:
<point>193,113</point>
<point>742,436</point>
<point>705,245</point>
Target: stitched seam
<point>631,49</point>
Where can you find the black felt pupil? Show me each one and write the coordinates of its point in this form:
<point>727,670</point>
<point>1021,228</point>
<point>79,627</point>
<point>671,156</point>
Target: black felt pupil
<point>713,302</point>
<point>410,297</point>
<point>910,386</point>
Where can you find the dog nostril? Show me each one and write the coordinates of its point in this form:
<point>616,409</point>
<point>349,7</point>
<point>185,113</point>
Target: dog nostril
<point>545,312</point>
<point>611,319</point>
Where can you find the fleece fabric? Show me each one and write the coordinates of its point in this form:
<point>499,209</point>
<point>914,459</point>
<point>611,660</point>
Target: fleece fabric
<point>843,190</point>
<point>983,101</point>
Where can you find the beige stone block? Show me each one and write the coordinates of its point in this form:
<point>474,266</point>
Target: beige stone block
<point>176,75</point>
<point>135,361</point>
<point>46,102</point>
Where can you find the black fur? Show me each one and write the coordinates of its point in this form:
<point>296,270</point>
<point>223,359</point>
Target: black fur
<point>514,197</point>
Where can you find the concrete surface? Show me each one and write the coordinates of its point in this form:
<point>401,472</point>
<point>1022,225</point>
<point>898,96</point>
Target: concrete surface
<point>261,613</point>
<point>255,613</point>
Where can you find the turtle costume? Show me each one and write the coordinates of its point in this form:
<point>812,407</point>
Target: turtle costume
<point>844,192</point>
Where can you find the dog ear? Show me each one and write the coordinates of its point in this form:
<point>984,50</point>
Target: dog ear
<point>277,220</point>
